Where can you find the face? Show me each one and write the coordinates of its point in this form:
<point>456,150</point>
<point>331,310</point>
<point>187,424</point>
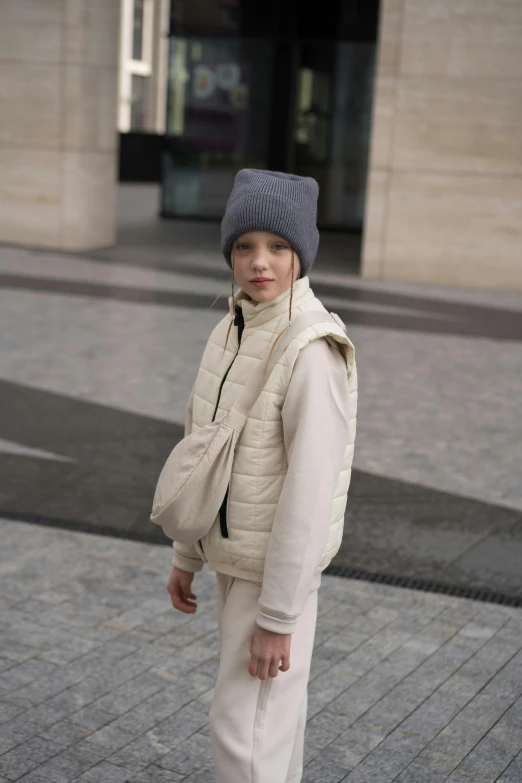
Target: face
<point>266,257</point>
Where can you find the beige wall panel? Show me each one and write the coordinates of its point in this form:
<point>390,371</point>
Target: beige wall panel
<point>459,125</point>
<point>30,30</point>
<point>88,200</point>
<point>487,21</point>
<point>461,58</point>
<point>58,140</point>
<point>91,32</point>
<point>456,230</point>
<point>383,122</point>
<point>91,96</point>
<point>30,195</point>
<point>390,33</point>
<point>375,223</point>
<point>30,100</point>
<point>446,136</point>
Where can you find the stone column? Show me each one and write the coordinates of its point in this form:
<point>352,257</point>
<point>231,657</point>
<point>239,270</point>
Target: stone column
<point>444,201</point>
<point>58,139</point>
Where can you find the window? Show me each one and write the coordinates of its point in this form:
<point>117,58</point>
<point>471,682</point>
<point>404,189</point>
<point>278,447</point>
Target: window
<point>137,41</point>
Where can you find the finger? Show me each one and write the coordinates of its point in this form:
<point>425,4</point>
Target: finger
<point>186,600</point>
<point>263,669</point>
<point>181,604</point>
<point>285,663</point>
<point>273,668</point>
<point>252,667</point>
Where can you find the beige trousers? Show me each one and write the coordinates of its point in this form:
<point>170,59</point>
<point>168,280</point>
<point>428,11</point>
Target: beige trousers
<point>258,726</point>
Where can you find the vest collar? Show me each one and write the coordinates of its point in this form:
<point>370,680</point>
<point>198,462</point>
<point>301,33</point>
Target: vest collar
<point>257,313</point>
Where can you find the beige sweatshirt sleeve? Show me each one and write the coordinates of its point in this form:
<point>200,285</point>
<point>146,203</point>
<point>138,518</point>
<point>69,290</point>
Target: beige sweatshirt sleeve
<point>186,557</point>
<point>316,420</point>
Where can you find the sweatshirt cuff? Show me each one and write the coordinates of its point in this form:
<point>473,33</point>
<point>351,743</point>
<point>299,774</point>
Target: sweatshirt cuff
<point>192,564</point>
<point>277,622</point>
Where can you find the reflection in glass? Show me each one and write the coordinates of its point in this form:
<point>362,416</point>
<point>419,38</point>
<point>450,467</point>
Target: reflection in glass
<point>137,30</point>
<point>217,120</point>
<point>332,126</point>
<point>206,17</point>
<point>138,102</point>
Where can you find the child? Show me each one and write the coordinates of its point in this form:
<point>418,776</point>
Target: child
<point>282,518</point>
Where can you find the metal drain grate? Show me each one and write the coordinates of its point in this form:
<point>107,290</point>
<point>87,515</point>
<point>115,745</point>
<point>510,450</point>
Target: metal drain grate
<point>426,585</point>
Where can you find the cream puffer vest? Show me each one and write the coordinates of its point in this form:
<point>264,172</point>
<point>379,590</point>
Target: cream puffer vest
<point>260,464</point>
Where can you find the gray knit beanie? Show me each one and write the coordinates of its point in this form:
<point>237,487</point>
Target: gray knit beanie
<point>283,204</point>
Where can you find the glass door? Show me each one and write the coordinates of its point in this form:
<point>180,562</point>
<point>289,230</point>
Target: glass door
<point>217,120</point>
<point>332,126</point>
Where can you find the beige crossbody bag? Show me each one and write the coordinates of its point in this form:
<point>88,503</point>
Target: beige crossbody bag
<point>196,475</point>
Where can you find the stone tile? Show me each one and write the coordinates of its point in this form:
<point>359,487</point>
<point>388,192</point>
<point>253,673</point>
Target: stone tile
<point>12,650</point>
<point>142,751</point>
<point>323,728</point>
<point>34,777</point>
<point>6,744</point>
<point>20,729</point>
<point>202,776</point>
<point>65,733</point>
<point>106,773</point>
<point>131,693</point>
<point>325,770</point>
<point>417,773</point>
<point>182,718</point>
<point>24,758</point>
<point>111,738</point>
<point>91,718</point>
<point>380,764</point>
<point>9,711</point>
<point>24,673</point>
<point>72,762</point>
<point>153,774</point>
<point>494,753</point>
<point>139,709</point>
<point>513,773</point>
<point>194,754</point>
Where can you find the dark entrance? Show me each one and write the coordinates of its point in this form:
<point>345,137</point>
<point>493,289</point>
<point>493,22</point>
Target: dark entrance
<point>276,85</point>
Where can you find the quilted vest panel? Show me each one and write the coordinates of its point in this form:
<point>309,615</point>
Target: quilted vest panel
<point>260,462</point>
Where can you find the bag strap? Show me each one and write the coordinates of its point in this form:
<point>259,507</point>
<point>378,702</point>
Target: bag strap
<point>258,379</point>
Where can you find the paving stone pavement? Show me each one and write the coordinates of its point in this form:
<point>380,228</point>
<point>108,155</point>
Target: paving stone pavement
<point>103,682</point>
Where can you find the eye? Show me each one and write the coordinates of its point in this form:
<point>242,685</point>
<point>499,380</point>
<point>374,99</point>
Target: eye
<point>242,246</point>
<point>280,246</point>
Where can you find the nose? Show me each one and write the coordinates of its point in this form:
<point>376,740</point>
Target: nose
<point>259,261</point>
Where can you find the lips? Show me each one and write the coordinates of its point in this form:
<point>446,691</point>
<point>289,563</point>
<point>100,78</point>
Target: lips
<point>261,280</point>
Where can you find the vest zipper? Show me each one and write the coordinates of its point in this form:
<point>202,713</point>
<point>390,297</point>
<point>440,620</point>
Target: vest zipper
<point>239,321</point>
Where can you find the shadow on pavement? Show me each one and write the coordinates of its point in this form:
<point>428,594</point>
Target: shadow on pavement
<point>99,467</point>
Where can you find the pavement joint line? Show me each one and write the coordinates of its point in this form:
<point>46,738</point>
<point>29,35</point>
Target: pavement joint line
<point>467,657</point>
<point>378,631</point>
<point>463,707</point>
<point>439,686</point>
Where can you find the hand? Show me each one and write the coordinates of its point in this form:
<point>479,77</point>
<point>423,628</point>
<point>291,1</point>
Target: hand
<point>179,587</point>
<point>267,650</point>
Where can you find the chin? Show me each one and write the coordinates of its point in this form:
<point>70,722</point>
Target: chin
<point>262,296</point>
